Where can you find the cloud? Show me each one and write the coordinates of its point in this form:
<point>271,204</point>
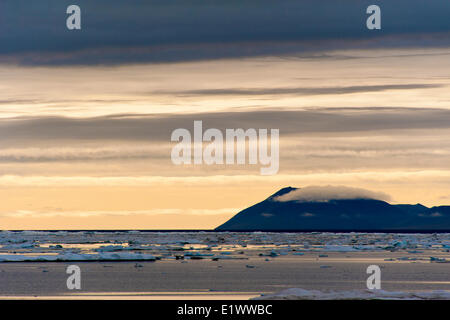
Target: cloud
<point>307,91</point>
<point>303,49</point>
<point>399,177</point>
<point>325,193</point>
<point>158,128</point>
<point>99,153</point>
<point>311,140</point>
<point>134,31</point>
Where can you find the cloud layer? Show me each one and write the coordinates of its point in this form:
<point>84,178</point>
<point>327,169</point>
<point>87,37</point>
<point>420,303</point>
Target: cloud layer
<point>306,91</point>
<point>325,193</point>
<point>123,32</point>
<point>159,127</point>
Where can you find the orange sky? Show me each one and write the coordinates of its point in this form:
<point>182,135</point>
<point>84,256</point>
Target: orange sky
<point>116,177</point>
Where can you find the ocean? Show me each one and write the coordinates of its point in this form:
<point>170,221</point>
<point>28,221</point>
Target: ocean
<point>223,265</point>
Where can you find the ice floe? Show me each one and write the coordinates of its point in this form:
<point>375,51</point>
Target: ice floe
<point>302,294</point>
<point>92,245</point>
<point>79,257</point>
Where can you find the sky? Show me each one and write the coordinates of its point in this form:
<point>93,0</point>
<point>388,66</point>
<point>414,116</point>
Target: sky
<point>86,115</point>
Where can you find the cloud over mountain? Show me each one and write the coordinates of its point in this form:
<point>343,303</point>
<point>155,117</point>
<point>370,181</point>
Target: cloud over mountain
<point>325,193</point>
<point>347,209</point>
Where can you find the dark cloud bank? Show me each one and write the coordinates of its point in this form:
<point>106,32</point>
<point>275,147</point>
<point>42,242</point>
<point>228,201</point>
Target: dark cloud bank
<point>121,32</point>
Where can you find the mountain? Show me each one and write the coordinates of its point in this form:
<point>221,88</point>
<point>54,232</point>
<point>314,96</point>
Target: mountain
<point>337,215</point>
